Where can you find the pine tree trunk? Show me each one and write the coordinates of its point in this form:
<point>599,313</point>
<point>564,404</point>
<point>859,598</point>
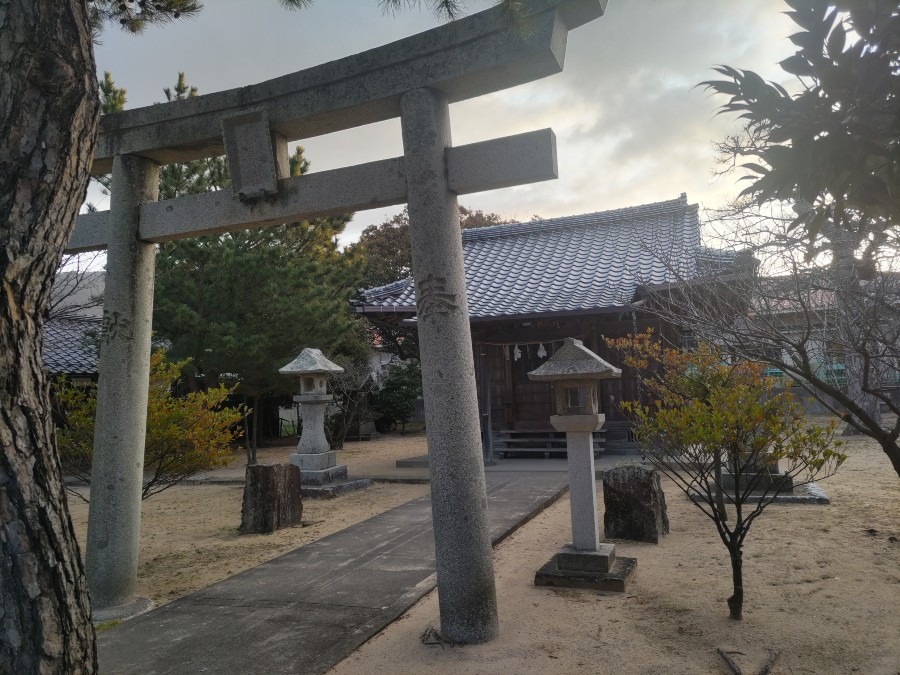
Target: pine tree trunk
<point>48,125</point>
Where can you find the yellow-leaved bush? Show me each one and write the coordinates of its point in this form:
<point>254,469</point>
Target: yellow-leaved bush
<point>185,434</point>
<point>725,434</point>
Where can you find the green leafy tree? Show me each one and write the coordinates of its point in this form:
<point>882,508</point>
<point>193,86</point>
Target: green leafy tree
<point>395,402</point>
<point>705,412</point>
<point>185,434</point>
<point>135,17</point>
<point>388,250</point>
<point>387,253</point>
<point>202,175</point>
<point>835,145</point>
<point>245,304</point>
<point>351,390</point>
<point>241,305</point>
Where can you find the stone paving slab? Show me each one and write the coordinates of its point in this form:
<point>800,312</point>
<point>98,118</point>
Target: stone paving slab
<point>306,610</point>
<point>810,493</point>
<point>533,463</point>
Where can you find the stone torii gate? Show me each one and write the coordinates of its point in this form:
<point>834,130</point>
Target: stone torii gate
<point>416,79</point>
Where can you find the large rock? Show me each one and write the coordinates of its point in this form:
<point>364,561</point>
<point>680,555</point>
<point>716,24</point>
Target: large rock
<point>635,505</point>
<point>271,498</point>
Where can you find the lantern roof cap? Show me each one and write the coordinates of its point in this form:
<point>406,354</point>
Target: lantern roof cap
<point>574,361</point>
<point>310,362</point>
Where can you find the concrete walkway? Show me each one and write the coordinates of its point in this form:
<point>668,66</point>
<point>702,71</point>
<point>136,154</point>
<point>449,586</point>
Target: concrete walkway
<point>306,610</point>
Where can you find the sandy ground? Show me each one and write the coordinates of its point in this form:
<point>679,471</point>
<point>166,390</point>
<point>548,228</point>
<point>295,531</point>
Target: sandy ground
<point>822,582</point>
<point>189,536</point>
<point>822,587</point>
<point>368,458</point>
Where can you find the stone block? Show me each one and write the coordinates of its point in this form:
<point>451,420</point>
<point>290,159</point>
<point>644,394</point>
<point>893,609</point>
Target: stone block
<point>582,489</point>
<point>600,561</point>
<point>521,159</point>
<point>335,489</point>
<point>367,186</point>
<point>635,505</point>
<point>251,157</point>
<point>324,476</point>
<point>272,498</point>
<point>616,579</point>
<point>760,482</point>
<point>576,423</point>
<point>810,493</point>
<point>313,462</point>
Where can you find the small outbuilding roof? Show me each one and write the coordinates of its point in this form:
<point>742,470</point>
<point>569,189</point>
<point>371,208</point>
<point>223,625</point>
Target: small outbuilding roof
<point>310,362</point>
<point>70,346</point>
<point>574,361</point>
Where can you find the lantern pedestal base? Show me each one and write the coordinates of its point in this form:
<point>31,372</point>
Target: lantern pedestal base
<point>597,570</point>
<point>322,476</point>
<point>570,559</point>
<point>317,461</point>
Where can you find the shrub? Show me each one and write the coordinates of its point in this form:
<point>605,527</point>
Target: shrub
<point>708,415</point>
<point>395,402</point>
<point>185,434</point>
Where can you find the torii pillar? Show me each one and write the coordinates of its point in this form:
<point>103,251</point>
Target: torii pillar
<point>114,519</point>
<point>465,570</point>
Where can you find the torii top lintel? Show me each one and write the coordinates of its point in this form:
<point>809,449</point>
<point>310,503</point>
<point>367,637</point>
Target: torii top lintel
<point>467,58</point>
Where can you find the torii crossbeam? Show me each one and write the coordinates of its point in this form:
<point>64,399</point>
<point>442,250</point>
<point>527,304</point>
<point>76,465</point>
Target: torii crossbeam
<point>415,79</point>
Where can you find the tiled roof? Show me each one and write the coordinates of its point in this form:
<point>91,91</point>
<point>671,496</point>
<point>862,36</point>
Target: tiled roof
<point>712,261</point>
<point>67,346</point>
<point>576,263</point>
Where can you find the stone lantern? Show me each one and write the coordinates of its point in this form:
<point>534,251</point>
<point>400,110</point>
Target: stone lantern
<point>319,472</point>
<point>574,371</point>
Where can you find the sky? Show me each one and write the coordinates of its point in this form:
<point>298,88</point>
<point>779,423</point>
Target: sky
<point>632,125</point>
